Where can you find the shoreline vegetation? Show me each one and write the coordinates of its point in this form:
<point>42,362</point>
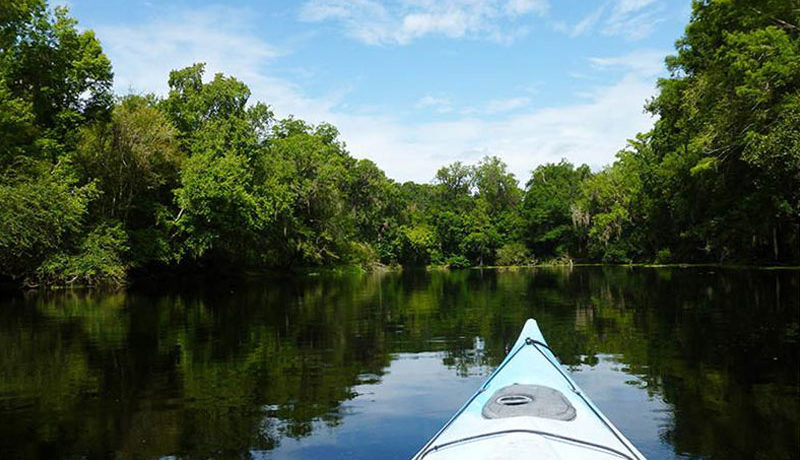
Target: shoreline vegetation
<point>99,189</point>
<point>249,275</point>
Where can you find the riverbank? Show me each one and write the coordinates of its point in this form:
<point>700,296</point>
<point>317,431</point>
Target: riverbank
<point>231,273</point>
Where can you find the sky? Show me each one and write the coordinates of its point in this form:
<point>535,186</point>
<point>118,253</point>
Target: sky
<point>414,85</point>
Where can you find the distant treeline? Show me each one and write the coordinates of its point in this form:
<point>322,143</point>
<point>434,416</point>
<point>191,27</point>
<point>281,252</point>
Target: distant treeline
<point>93,185</point>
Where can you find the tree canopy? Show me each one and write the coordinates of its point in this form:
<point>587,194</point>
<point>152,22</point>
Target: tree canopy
<point>95,186</point>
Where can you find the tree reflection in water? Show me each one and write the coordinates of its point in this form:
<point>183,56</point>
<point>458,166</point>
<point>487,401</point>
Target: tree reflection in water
<point>694,362</point>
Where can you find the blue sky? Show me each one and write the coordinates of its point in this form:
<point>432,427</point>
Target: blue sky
<point>417,84</point>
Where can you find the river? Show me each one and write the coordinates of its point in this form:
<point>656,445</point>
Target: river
<point>687,362</point>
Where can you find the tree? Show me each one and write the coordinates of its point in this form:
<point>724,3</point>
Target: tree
<point>53,79</point>
<point>372,199</point>
<point>548,209</point>
<point>412,204</point>
<point>496,186</point>
<point>455,182</point>
<point>482,239</point>
<point>314,165</point>
<point>135,160</point>
<point>226,198</point>
<point>611,202</point>
<point>499,194</point>
<point>727,132</point>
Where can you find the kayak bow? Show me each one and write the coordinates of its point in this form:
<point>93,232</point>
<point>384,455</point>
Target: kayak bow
<point>529,408</point>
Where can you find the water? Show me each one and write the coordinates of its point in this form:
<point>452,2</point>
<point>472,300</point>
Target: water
<point>688,363</point>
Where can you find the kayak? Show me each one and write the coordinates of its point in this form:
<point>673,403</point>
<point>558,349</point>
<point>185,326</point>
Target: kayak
<point>529,408</point>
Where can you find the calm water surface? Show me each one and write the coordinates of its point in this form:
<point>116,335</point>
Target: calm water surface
<point>688,363</point>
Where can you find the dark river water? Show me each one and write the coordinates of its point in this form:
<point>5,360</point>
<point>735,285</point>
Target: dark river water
<point>688,363</point>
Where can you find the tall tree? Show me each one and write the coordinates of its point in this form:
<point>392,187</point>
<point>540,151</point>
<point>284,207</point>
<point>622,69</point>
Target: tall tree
<point>455,181</point>
<point>314,165</point>
<point>727,140</point>
<point>372,198</point>
<point>549,209</point>
<point>134,161</point>
<point>134,158</point>
<point>611,207</point>
<point>496,186</point>
<point>53,79</point>
<point>225,209</point>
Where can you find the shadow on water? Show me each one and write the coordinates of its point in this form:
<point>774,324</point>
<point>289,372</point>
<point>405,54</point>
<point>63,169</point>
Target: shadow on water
<point>689,363</point>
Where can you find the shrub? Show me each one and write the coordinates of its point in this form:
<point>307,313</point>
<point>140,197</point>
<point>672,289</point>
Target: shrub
<point>514,254</point>
<point>458,261</point>
<point>419,245</point>
<point>363,255</point>
<point>38,218</point>
<point>616,255</point>
<point>663,256</point>
<point>99,260</point>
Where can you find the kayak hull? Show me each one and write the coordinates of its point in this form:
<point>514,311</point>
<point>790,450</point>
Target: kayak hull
<point>529,408</point>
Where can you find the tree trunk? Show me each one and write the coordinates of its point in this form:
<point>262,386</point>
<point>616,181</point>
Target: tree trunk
<point>775,242</point>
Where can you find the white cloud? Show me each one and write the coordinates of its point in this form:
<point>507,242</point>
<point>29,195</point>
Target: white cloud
<point>632,6</point>
<point>440,104</point>
<point>589,131</point>
<point>144,54</point>
<point>587,22</point>
<point>631,19</point>
<point>520,7</point>
<point>401,22</point>
<point>647,63</point>
<point>492,107</point>
<point>506,105</point>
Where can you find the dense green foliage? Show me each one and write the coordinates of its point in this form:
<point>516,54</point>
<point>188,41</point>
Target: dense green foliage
<point>722,165</point>
<point>94,185</point>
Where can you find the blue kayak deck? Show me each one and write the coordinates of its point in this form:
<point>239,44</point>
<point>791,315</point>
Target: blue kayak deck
<point>587,434</point>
